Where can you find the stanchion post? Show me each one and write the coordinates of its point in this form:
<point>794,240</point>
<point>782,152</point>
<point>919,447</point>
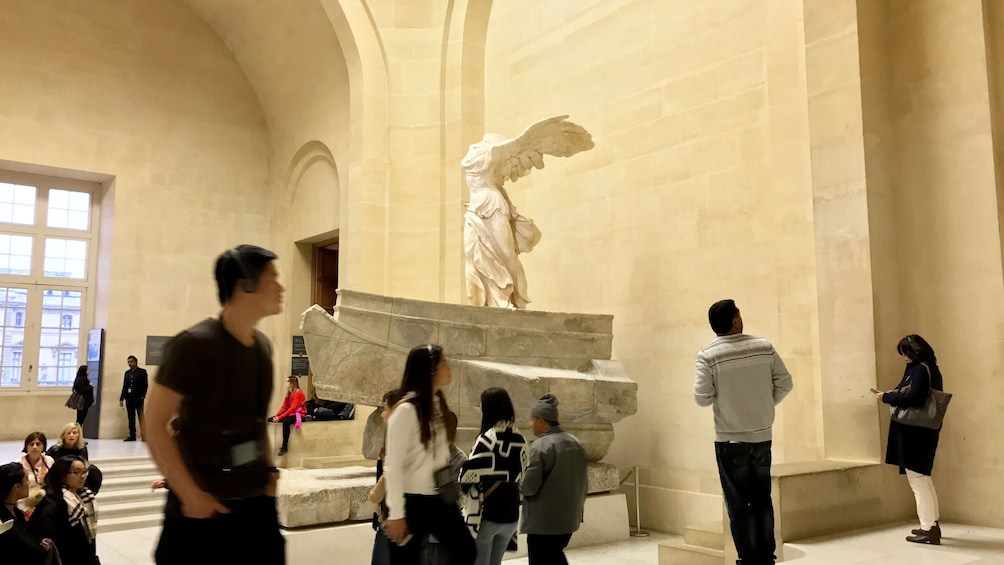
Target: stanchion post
<point>638,532</point>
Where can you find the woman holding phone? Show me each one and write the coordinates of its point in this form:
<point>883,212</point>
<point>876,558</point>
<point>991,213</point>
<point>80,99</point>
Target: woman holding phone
<point>912,448</point>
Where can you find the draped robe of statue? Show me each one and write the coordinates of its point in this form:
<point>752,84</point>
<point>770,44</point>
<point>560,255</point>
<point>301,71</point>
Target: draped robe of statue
<point>494,235</point>
<point>494,232</point>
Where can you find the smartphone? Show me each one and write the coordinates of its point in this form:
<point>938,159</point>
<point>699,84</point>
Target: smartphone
<point>875,391</point>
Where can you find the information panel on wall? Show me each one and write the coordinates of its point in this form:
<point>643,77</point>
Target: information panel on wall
<point>95,354</point>
<point>155,349</point>
<point>299,365</point>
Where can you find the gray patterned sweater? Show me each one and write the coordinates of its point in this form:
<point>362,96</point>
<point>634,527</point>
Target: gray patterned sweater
<point>743,377</point>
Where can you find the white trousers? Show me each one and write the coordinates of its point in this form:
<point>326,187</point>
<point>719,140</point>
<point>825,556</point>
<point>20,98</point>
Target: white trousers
<point>927,498</point>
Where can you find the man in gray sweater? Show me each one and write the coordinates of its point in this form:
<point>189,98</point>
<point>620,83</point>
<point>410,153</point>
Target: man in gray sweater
<point>554,486</point>
<point>743,377</point>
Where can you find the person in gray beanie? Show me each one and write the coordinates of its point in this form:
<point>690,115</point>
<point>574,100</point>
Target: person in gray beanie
<point>554,486</point>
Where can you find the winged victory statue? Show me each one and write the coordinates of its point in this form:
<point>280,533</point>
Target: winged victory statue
<point>494,232</point>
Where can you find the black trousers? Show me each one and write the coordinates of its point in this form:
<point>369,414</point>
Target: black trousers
<point>744,469</point>
<point>134,407</point>
<point>82,415</point>
<point>543,549</point>
<point>287,424</point>
<point>428,514</point>
<point>248,534</point>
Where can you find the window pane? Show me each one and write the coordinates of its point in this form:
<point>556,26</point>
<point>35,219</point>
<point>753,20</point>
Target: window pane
<point>14,302</point>
<point>65,258</point>
<point>57,355</point>
<point>17,204</point>
<point>68,209</point>
<point>16,253</point>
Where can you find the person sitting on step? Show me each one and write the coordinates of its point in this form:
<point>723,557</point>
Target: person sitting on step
<point>71,442</point>
<point>291,412</point>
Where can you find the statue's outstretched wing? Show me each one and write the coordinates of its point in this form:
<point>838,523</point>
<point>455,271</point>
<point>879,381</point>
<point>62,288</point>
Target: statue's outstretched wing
<point>516,157</point>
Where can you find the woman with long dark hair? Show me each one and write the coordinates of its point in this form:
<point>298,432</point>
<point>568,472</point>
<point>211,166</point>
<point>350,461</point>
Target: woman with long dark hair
<point>83,386</point>
<point>421,489</point>
<point>492,475</point>
<point>912,448</point>
<point>67,513</point>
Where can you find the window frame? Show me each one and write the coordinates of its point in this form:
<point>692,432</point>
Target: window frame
<point>37,282</point>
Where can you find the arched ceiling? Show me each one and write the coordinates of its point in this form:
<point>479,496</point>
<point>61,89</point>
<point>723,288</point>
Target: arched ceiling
<point>289,52</point>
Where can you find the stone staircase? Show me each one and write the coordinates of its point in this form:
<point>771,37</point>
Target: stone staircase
<point>702,544</point>
<point>126,501</point>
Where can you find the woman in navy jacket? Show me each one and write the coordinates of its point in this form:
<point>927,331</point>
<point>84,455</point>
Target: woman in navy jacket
<point>912,448</point>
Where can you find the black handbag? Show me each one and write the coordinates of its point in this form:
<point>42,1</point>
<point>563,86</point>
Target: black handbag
<point>76,401</point>
<point>930,415</point>
<point>447,485</point>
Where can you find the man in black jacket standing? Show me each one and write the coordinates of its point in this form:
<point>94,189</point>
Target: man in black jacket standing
<point>134,385</point>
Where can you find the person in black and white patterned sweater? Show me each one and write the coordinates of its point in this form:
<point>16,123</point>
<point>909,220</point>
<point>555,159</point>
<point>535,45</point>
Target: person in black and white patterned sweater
<point>491,477</point>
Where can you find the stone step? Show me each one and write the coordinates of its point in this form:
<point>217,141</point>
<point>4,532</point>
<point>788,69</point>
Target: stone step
<point>130,509</point>
<point>125,467</point>
<point>128,482</point>
<point>124,495</point>
<point>121,523</point>
<point>676,552</point>
<point>126,501</point>
<point>710,535</point>
<point>337,461</point>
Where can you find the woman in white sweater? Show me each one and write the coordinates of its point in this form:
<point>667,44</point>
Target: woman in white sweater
<point>421,490</point>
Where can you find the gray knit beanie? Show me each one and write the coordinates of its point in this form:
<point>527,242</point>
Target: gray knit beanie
<point>546,408</point>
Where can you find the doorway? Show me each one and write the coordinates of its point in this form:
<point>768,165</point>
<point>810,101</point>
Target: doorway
<point>325,272</point>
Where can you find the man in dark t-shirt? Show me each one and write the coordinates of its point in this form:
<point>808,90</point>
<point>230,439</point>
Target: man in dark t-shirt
<point>216,382</point>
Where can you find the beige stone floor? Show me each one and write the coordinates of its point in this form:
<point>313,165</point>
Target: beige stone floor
<point>962,544</point>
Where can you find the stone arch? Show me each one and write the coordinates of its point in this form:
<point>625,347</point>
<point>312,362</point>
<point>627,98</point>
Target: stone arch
<point>365,175</point>
<point>314,194</point>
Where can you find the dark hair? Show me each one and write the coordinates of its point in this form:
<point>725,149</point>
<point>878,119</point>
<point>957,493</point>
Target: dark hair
<point>496,406</point>
<point>32,437</point>
<point>721,315</point>
<point>81,371</point>
<point>419,370</point>
<point>132,358</point>
<point>242,263</point>
<point>917,349</point>
<point>56,477</point>
<point>391,397</point>
<point>11,475</point>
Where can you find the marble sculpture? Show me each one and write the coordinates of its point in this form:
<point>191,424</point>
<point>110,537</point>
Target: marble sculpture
<point>494,232</point>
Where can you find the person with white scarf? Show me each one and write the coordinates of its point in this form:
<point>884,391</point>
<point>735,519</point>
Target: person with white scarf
<point>67,514</point>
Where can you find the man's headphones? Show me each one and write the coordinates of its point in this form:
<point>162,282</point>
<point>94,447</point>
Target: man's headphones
<point>248,284</point>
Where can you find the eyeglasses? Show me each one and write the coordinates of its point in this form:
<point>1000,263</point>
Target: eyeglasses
<point>80,473</point>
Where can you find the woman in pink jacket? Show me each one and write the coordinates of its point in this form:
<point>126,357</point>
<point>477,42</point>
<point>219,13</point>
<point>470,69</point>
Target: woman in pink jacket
<point>293,409</point>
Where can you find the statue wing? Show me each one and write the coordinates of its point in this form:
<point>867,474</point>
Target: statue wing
<point>516,157</point>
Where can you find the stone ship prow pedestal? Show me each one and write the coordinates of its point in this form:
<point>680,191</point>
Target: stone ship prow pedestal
<point>358,354</point>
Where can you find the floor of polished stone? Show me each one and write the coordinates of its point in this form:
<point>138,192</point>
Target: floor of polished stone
<point>961,544</point>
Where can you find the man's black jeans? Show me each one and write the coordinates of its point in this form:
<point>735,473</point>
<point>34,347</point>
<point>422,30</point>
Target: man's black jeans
<point>544,549</point>
<point>744,469</point>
